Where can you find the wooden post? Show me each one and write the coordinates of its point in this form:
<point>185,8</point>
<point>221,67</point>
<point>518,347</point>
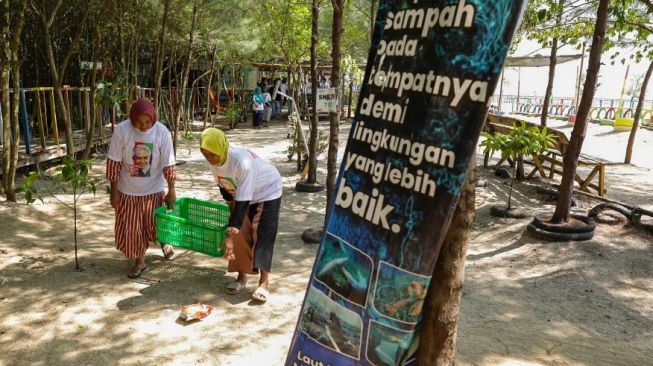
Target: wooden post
<point>88,110</point>
<point>25,123</point>
<point>580,77</point>
<point>602,189</point>
<point>39,117</point>
<point>68,109</point>
<point>501,90</point>
<point>80,106</point>
<point>53,119</point>
<point>45,112</point>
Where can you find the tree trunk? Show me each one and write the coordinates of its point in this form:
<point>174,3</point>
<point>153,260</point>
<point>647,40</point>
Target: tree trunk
<point>553,60</point>
<point>580,126</point>
<point>501,90</point>
<point>159,55</point>
<point>5,60</point>
<point>552,69</point>
<point>184,76</point>
<point>207,112</point>
<point>312,141</point>
<point>10,190</point>
<point>172,95</point>
<point>57,73</point>
<point>91,128</point>
<point>75,229</point>
<point>332,158</point>
<point>442,305</point>
<point>194,92</point>
<point>11,104</point>
<point>351,91</point>
<point>62,114</point>
<point>373,7</point>
<point>638,114</point>
<point>135,50</point>
<point>512,184</point>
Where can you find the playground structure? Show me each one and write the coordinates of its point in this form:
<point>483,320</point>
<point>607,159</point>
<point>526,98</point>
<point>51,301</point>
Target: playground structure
<point>42,138</point>
<point>604,111</point>
<point>550,163</point>
<point>41,135</point>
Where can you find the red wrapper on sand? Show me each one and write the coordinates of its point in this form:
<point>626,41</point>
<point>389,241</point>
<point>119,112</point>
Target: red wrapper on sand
<point>195,311</point>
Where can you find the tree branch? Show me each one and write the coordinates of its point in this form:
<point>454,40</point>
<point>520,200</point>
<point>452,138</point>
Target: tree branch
<point>15,40</point>
<point>72,48</point>
<point>57,5</point>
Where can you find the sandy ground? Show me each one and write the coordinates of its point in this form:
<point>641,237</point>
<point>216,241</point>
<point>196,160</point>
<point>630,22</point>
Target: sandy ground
<point>525,302</point>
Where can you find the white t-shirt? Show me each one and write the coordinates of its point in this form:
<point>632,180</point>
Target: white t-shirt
<point>143,157</point>
<point>261,106</point>
<point>247,177</point>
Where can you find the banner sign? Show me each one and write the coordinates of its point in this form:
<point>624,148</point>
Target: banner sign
<point>432,69</point>
<point>326,100</point>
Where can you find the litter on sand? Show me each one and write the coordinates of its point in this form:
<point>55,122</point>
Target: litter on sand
<point>195,312</point>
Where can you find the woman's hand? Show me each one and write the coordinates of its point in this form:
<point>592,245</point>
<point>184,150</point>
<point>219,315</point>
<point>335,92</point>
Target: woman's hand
<point>229,248</point>
<point>170,198</point>
<point>115,197</point>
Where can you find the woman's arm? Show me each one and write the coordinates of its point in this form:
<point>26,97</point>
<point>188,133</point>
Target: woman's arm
<point>169,167</point>
<point>114,169</point>
<point>170,174</point>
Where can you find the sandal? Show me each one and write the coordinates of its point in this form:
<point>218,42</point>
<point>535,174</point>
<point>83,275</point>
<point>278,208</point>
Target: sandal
<point>167,254</point>
<point>136,274</point>
<point>235,287</point>
<point>261,294</point>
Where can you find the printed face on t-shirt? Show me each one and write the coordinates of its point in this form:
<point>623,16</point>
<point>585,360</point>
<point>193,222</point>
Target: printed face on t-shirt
<point>142,159</point>
<point>227,184</point>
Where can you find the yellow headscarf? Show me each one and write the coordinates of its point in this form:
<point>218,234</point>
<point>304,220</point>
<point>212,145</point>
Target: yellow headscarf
<point>214,140</point>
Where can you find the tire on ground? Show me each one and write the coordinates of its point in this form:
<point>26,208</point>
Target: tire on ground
<point>589,226</point>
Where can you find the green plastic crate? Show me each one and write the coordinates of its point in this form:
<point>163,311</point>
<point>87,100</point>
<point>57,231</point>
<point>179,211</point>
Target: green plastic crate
<point>193,224</point>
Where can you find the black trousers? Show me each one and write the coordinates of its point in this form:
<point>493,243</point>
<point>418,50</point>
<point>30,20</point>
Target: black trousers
<point>264,217</point>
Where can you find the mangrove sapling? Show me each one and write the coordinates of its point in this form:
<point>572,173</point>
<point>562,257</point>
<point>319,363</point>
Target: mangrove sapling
<point>66,184</point>
<point>520,141</point>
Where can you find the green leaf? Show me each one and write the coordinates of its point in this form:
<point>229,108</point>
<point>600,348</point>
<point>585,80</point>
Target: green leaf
<point>68,173</point>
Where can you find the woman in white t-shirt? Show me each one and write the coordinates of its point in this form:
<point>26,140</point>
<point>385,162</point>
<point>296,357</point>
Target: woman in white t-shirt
<point>252,187</point>
<point>141,161</point>
<point>258,107</point>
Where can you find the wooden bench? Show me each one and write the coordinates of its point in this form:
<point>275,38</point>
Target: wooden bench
<point>550,162</point>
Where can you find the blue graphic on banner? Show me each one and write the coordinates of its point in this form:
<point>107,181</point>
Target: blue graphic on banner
<point>432,69</point>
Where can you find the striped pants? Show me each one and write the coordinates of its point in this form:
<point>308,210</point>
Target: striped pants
<point>135,226</point>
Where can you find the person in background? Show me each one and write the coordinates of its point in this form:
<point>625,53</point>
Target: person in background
<point>267,108</point>
<point>258,107</point>
<point>276,103</point>
<point>141,161</point>
<point>252,187</point>
<point>283,87</point>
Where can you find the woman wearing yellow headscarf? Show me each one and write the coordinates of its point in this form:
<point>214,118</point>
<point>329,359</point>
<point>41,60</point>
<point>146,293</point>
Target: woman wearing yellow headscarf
<point>252,187</point>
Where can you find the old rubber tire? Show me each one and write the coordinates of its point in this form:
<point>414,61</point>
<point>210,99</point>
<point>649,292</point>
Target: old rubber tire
<point>557,236</point>
<point>515,213</point>
<point>589,226</point>
<point>308,187</point>
<point>312,236</point>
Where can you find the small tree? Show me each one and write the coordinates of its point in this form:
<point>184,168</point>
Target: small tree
<point>233,115</point>
<point>520,141</point>
<point>71,177</point>
<point>113,90</point>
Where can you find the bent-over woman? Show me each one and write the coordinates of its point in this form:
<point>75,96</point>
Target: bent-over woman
<point>252,187</point>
